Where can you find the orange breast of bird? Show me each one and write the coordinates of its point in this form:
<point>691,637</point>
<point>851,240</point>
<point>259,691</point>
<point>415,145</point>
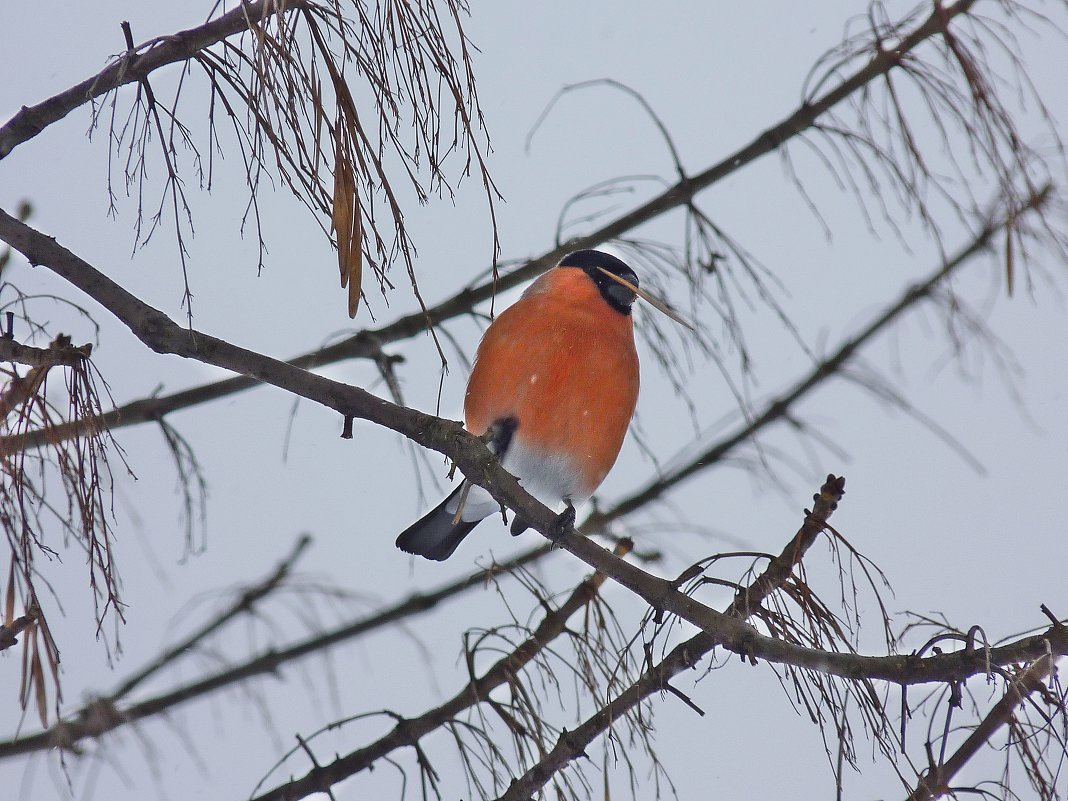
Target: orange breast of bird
<point>563,363</point>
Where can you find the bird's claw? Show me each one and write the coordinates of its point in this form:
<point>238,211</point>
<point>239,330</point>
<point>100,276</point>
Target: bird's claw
<point>565,521</point>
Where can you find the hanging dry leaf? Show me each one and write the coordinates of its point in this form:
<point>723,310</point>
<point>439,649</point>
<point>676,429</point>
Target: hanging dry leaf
<point>51,652</point>
<point>38,679</point>
<point>29,641</point>
<point>346,223</point>
<point>1010,261</point>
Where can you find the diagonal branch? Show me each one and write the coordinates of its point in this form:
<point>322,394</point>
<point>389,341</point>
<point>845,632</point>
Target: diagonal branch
<point>684,656</point>
<point>408,732</point>
<point>368,343</point>
<point>476,462</point>
<point>935,782</point>
<point>132,67</point>
<point>73,729</point>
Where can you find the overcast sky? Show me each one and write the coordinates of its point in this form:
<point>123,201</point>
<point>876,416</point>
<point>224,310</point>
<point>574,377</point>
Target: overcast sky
<point>983,545</point>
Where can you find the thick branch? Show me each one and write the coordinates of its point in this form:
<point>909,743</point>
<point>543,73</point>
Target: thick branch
<point>60,352</point>
<point>72,730</point>
<point>477,463</point>
<point>163,335</point>
<point>368,344</point>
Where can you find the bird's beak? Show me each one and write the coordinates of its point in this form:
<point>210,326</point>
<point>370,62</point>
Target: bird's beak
<point>656,303</point>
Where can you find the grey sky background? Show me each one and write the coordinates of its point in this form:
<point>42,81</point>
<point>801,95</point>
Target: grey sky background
<point>984,546</point>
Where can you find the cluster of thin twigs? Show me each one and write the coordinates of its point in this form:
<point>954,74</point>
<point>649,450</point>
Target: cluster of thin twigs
<point>356,109</point>
<point>33,509</point>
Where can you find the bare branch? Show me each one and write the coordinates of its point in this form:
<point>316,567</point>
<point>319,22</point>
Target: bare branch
<point>407,732</point>
<point>682,657</point>
<point>67,355</point>
<point>132,67</point>
<point>935,783</point>
<point>368,343</point>
<point>477,463</point>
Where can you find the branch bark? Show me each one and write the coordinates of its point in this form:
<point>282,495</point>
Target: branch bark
<point>60,352</point>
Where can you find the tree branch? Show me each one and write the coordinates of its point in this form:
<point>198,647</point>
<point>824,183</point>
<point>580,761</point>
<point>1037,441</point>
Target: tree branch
<point>19,389</point>
<point>134,67</point>
<point>369,343</point>
<point>59,352</point>
<point>684,656</point>
<point>935,782</point>
<point>72,730</point>
<point>477,464</point>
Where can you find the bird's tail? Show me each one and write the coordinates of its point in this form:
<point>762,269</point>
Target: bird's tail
<point>435,536</point>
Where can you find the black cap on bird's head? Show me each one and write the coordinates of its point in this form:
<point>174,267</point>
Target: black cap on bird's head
<point>617,282</point>
<point>596,264</point>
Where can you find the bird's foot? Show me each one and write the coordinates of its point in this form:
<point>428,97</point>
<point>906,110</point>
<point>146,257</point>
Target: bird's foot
<point>564,522</point>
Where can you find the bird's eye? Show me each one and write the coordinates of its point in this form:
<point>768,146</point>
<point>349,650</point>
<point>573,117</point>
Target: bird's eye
<point>620,294</point>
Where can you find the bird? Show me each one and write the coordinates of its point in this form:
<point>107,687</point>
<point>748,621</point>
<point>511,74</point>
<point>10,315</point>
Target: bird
<point>552,390</point>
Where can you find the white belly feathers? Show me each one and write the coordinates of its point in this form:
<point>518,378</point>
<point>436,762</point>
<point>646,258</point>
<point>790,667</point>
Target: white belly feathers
<point>549,478</point>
